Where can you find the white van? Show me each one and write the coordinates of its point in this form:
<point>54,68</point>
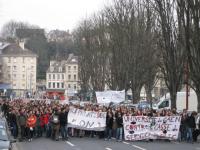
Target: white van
<point>165,102</point>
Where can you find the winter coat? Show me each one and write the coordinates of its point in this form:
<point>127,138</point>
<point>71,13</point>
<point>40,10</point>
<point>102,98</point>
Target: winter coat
<point>46,118</point>
<point>191,122</point>
<point>22,120</point>
<point>31,121</point>
<point>119,121</point>
<point>109,122</point>
<point>63,118</point>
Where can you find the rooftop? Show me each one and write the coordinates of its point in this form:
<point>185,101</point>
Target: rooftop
<point>16,50</point>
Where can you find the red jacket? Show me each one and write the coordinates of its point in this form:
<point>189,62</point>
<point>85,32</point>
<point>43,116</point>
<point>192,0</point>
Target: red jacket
<point>41,121</point>
<point>31,121</point>
<point>46,119</point>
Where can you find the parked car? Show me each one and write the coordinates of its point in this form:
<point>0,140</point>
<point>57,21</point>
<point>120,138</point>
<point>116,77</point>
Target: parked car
<point>144,104</point>
<point>5,140</point>
<point>74,102</point>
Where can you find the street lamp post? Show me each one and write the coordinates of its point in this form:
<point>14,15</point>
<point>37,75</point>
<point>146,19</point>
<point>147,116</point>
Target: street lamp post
<point>28,87</point>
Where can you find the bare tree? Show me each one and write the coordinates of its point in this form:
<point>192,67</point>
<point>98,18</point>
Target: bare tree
<point>172,63</point>
<point>189,20</point>
<point>93,53</point>
<point>8,31</point>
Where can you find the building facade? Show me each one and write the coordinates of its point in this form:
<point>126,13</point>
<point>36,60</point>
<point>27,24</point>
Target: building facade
<point>62,78</point>
<point>19,67</point>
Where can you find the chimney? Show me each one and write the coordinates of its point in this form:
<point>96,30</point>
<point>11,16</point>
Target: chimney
<point>22,43</point>
<point>71,55</point>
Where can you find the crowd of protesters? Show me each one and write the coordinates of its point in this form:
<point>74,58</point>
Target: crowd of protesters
<point>34,119</point>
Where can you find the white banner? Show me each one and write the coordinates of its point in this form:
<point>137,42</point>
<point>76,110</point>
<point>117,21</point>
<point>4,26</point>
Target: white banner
<point>110,96</point>
<point>143,127</point>
<point>86,120</point>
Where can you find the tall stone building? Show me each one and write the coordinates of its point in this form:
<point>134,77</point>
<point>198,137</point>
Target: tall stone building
<point>19,66</point>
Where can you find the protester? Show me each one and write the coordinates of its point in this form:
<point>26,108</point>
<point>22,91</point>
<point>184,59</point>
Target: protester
<point>63,123</point>
<point>109,125</point>
<point>21,124</point>
<point>51,119</point>
<point>55,125</point>
<point>190,126</point>
<point>30,124</point>
<point>119,131</point>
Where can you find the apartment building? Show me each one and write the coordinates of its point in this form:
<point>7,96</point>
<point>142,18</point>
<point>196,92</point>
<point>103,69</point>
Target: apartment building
<point>19,67</point>
<point>62,78</point>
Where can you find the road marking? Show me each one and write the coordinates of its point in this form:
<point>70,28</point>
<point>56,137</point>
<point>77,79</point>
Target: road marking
<point>113,138</point>
<point>175,142</point>
<point>126,143</point>
<point>70,143</point>
<point>107,148</point>
<point>138,147</point>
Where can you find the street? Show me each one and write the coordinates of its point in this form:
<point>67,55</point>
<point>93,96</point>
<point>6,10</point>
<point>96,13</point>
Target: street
<point>100,144</point>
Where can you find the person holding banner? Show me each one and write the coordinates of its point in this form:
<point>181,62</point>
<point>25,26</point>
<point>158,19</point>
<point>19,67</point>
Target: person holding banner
<point>190,126</point>
<point>63,123</point>
<point>119,131</point>
<point>109,125</point>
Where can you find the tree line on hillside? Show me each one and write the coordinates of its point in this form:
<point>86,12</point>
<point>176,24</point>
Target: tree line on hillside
<point>56,44</point>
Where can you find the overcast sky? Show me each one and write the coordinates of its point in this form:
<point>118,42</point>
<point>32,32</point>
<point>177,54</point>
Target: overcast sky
<point>49,14</point>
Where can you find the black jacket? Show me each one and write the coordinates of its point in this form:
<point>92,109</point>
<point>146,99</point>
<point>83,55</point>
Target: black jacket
<point>119,121</point>
<point>191,122</point>
<point>63,118</point>
<point>109,122</point>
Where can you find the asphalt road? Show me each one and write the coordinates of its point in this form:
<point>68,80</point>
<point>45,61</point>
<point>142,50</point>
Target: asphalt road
<point>100,144</point>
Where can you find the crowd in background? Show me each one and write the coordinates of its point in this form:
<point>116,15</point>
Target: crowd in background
<point>34,119</point>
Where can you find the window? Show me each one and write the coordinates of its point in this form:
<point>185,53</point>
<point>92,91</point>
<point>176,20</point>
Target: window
<point>74,67</point>
<point>14,75</point>
<point>74,86</point>
<point>23,68</point>
<point>32,68</point>
<point>15,60</point>
<point>74,77</point>
<point>49,85</point>
<point>164,104</point>
<point>53,76</point>
<point>69,86</point>
<point>14,67</point>
<point>23,76</point>
<point>60,69</point>
<point>69,68</point>
<point>49,76</point>
<point>9,77</point>
<point>32,76</point>
<point>14,84</point>
<point>23,85</point>
<point>62,84</point>
<point>23,59</point>
<point>58,76</point>
<point>9,59</point>
<point>51,69</point>
<point>58,85</point>
<point>8,68</point>
<point>69,77</point>
<point>53,85</point>
<point>63,76</point>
